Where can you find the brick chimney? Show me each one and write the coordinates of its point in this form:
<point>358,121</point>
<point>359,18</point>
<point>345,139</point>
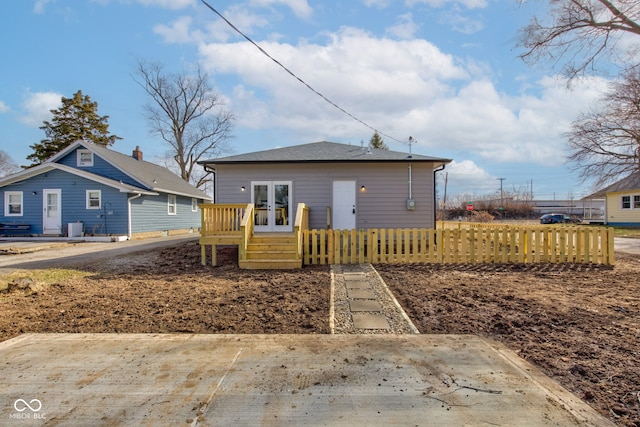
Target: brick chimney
<point>137,154</point>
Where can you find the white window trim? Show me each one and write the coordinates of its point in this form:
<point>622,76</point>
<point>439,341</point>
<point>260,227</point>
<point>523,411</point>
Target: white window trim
<point>99,199</point>
<point>7,196</point>
<point>172,201</point>
<point>630,196</point>
<point>194,205</point>
<point>79,154</point>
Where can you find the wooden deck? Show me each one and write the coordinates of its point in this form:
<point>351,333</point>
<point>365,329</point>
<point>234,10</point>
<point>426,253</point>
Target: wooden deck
<point>234,225</point>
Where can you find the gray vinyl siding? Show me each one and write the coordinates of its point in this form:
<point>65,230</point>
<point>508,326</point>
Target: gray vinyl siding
<point>382,205</point>
<point>150,213</point>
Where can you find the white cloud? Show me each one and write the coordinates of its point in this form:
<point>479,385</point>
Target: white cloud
<point>460,22</point>
<point>169,4</point>
<point>179,31</point>
<point>37,107</point>
<point>300,8</point>
<point>4,108</point>
<point>468,175</point>
<point>402,88</point>
<point>39,5</point>
<point>471,4</point>
<point>404,29</point>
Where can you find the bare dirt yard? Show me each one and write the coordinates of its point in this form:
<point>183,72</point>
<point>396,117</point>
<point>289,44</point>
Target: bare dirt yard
<point>579,324</point>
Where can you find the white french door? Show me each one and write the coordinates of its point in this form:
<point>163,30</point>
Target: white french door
<point>272,200</point>
<point>52,213</point>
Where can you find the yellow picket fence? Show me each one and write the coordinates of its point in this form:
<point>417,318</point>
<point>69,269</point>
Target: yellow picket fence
<point>461,245</point>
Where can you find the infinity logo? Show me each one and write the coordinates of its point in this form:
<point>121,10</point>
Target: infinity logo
<point>37,405</point>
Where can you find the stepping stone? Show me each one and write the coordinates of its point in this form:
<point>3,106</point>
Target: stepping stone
<point>365,305</point>
<point>361,294</point>
<point>358,285</point>
<point>354,276</point>
<point>370,321</point>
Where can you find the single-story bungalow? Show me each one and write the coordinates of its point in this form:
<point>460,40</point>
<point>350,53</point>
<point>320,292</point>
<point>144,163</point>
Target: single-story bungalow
<point>622,206</point>
<point>344,186</point>
<point>92,190</point>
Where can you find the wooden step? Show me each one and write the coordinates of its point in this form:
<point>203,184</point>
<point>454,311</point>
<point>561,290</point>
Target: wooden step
<point>271,255</point>
<point>270,264</point>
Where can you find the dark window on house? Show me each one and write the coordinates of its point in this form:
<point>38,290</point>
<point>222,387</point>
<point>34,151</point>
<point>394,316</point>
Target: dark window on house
<point>94,198</point>
<point>636,202</point>
<point>13,203</point>
<point>85,158</point>
<point>172,207</point>
<point>626,202</point>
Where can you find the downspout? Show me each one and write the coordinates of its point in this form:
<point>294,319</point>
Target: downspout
<point>129,214</point>
<point>212,171</point>
<point>435,199</point>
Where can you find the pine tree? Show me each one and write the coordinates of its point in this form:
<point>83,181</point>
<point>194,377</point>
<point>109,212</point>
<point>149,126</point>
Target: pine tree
<point>376,141</point>
<point>77,119</point>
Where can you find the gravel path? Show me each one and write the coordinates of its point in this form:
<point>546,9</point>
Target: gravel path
<point>342,320</point>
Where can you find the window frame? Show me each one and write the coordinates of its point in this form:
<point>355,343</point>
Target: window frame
<point>625,202</point>
<point>172,204</point>
<point>194,205</point>
<point>88,199</point>
<point>80,162</point>
<point>8,204</point>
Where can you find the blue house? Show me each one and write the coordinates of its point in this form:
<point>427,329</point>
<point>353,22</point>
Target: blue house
<point>90,189</point>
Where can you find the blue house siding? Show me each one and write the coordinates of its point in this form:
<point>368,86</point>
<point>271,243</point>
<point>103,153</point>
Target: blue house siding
<point>110,219</point>
<point>150,213</point>
<point>100,167</point>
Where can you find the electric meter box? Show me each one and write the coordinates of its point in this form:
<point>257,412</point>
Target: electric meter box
<point>411,204</point>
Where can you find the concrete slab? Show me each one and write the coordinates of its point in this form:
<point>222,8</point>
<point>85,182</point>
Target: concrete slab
<point>364,305</point>
<point>370,321</point>
<point>361,294</point>
<point>359,284</point>
<point>275,380</point>
<point>352,275</point>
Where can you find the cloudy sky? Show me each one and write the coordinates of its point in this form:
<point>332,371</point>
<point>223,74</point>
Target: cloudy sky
<point>444,72</point>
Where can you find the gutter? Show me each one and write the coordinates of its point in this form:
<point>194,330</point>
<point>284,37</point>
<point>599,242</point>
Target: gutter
<point>129,199</point>
<point>435,199</point>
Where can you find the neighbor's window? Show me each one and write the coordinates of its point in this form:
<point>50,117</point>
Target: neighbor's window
<point>93,199</point>
<point>194,205</point>
<point>636,202</point>
<point>172,206</point>
<point>13,203</point>
<point>85,158</point>
<point>626,202</point>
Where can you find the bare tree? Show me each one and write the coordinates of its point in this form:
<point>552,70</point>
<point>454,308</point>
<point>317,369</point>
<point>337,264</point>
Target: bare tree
<point>605,143</point>
<point>578,33</point>
<point>187,114</point>
<point>7,165</point>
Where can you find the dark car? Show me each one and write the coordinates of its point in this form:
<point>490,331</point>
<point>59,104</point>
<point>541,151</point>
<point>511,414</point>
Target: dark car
<point>554,218</point>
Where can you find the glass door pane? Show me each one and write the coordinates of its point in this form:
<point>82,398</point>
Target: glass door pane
<point>281,193</point>
<point>261,202</point>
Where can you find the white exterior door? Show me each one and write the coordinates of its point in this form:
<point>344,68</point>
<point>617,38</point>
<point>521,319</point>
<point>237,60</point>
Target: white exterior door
<point>344,205</point>
<point>272,200</point>
<point>52,214</point>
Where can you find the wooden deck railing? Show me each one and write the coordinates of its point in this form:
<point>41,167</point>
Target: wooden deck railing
<point>246,230</point>
<point>301,225</point>
<point>217,219</point>
<point>461,245</point>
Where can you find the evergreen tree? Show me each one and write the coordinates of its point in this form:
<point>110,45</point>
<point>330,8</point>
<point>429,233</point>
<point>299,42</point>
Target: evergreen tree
<point>77,119</point>
<point>376,141</point>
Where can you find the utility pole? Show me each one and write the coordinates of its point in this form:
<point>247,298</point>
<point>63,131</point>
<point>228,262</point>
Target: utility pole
<point>501,208</point>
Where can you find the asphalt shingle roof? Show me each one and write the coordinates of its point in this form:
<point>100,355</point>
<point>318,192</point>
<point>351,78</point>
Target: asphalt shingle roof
<point>630,182</point>
<point>154,177</point>
<point>324,152</point>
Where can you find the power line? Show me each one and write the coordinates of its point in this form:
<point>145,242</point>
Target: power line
<point>298,78</point>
